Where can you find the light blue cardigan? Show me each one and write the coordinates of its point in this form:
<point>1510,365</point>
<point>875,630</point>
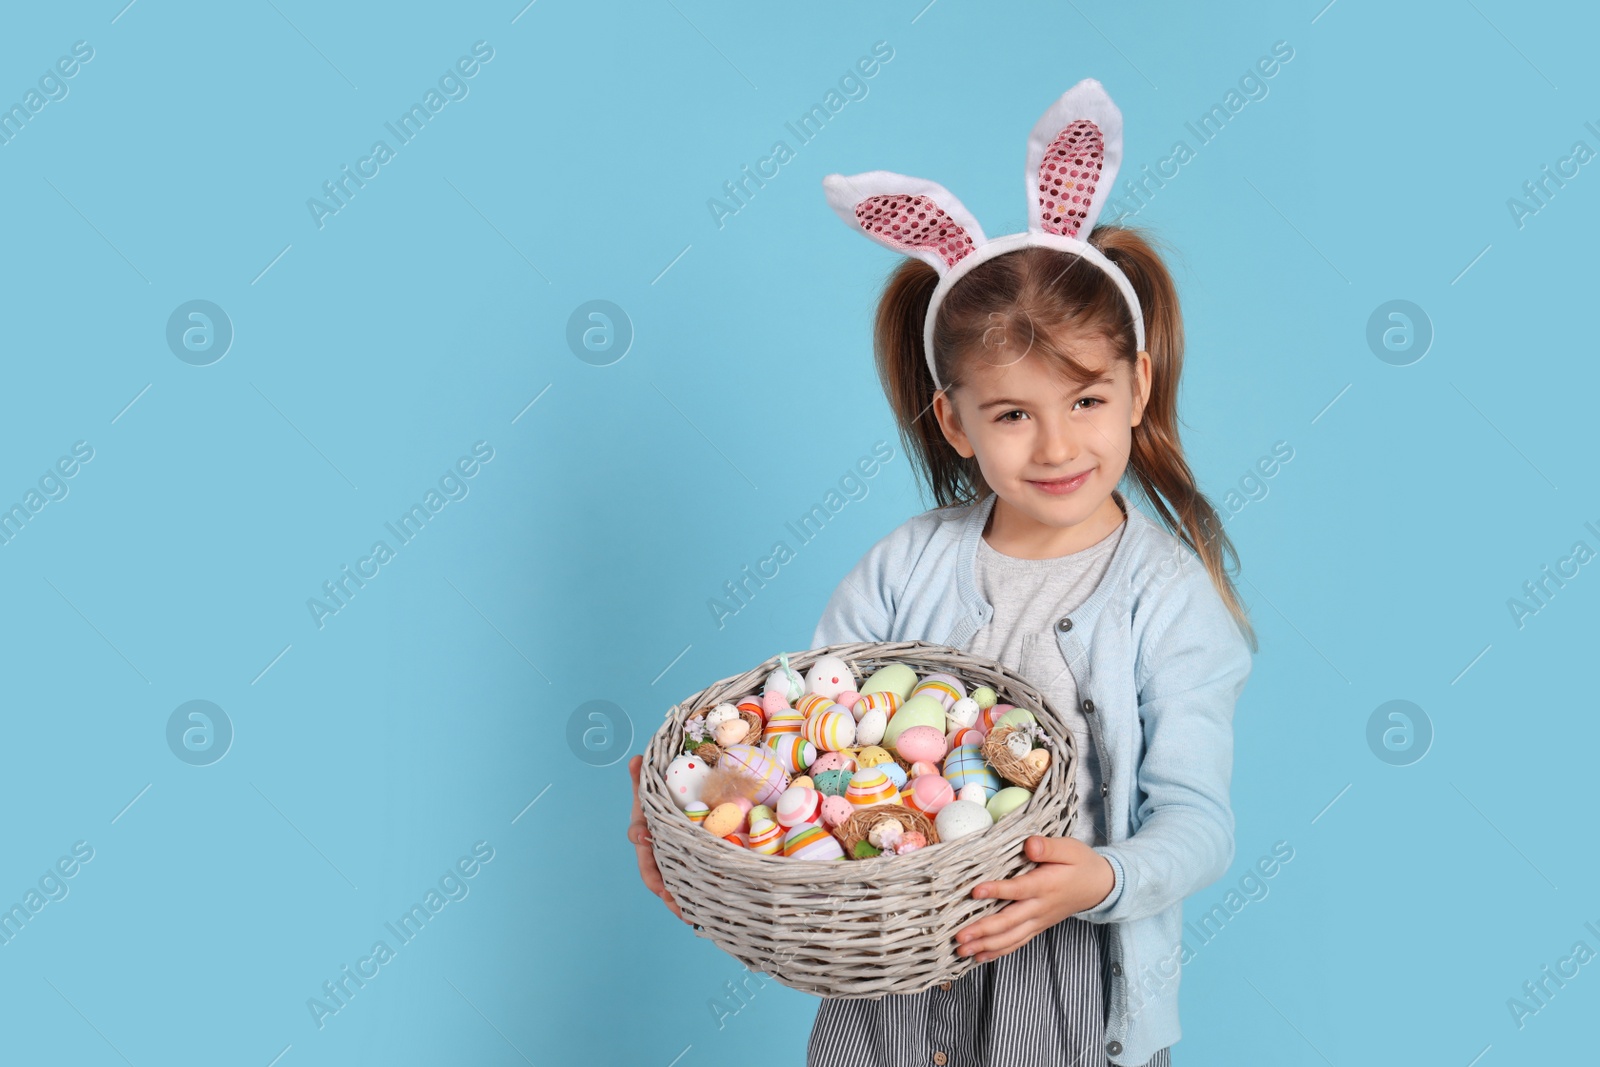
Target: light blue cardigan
<point>1159,662</point>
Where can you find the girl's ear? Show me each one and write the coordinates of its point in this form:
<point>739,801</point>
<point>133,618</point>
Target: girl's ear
<point>1074,153</point>
<point>908,215</point>
<point>944,411</point>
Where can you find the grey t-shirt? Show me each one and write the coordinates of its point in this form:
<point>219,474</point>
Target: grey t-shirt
<point>1029,596</point>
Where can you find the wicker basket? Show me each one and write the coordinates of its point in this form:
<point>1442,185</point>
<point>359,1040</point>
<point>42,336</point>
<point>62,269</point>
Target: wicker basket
<point>852,928</point>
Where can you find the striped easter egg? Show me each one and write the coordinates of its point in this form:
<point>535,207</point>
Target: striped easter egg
<point>697,812</point>
<point>767,838</point>
<point>886,701</point>
<point>990,715</point>
<point>813,703</point>
<point>753,704</point>
<point>966,735</point>
<point>785,722</point>
<point>871,787</point>
<point>946,688</point>
<point>831,728</point>
<point>966,765</point>
<point>759,764</point>
<point>793,752</point>
<point>810,841</point>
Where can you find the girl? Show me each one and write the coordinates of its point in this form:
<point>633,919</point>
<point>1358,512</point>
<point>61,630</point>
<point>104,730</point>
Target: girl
<point>1026,384</point>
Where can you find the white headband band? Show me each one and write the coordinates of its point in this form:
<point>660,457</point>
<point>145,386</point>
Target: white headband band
<point>1074,152</point>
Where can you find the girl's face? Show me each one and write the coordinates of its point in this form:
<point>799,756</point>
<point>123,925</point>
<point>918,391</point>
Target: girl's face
<point>1052,450</point>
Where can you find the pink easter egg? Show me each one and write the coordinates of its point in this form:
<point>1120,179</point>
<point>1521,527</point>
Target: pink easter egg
<point>921,767</point>
<point>929,793</point>
<point>989,716</point>
<point>921,743</point>
<point>847,699</point>
<point>835,810</point>
<point>772,702</point>
<point>799,804</point>
<point>966,735</point>
<point>828,761</point>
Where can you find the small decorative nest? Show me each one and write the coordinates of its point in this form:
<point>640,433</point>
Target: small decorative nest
<point>709,750</point>
<point>855,829</point>
<point>1005,764</point>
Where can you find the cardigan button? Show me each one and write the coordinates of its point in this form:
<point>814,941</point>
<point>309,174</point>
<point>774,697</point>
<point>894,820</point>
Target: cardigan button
<point>1088,707</point>
<point>1064,625</point>
<point>1116,969</point>
<point>1113,1047</point>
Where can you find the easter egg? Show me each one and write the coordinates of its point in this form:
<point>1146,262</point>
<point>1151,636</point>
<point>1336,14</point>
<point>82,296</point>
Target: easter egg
<point>921,767</point>
<point>896,773</point>
<point>973,792</point>
<point>759,764</point>
<point>1015,717</point>
<point>753,705</point>
<point>826,761</point>
<point>1038,759</point>
<point>766,837</point>
<point>921,743</point>
<point>985,696</point>
<point>965,765</point>
<point>943,687</point>
<point>871,726</point>
<point>834,783</point>
<point>929,793</point>
<point>963,712</point>
<point>897,678</point>
<point>785,681</point>
<point>849,699</point>
<point>685,775</point>
<point>923,709</point>
<point>969,735</point>
<point>697,811</point>
<point>871,787</point>
<point>760,811</point>
<point>812,841</point>
<point>724,819</point>
<point>799,804</point>
<point>793,752</point>
<point>886,701</point>
<point>872,755</point>
<point>831,729</point>
<point>1007,801</point>
<point>835,810</point>
<point>811,703</point>
<point>988,716</point>
<point>772,703</point>
<point>830,676</point>
<point>960,818</point>
<point>805,780</point>
<point>788,721</point>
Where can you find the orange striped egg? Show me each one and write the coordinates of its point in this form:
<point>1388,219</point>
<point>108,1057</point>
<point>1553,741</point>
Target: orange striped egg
<point>785,722</point>
<point>767,838</point>
<point>885,700</point>
<point>831,729</point>
<point>990,715</point>
<point>697,812</point>
<point>945,688</point>
<point>812,703</point>
<point>809,841</point>
<point>793,752</point>
<point>869,787</point>
<point>967,735</point>
<point>753,704</point>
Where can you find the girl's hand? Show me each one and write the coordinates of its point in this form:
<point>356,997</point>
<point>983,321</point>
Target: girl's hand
<point>1070,877</point>
<point>639,834</point>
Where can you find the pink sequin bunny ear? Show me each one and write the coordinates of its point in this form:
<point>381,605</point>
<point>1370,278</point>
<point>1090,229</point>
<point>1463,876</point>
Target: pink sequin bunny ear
<point>909,215</point>
<point>1074,153</point>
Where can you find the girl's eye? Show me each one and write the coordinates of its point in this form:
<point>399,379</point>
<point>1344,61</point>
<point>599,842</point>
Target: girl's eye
<point>1090,399</point>
<point>1007,416</point>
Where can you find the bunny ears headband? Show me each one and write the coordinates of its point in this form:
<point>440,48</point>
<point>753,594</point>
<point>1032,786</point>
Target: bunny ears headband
<point>1073,155</point>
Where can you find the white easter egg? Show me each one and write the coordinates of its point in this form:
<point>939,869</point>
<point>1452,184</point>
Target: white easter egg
<point>829,676</point>
<point>685,775</point>
<point>871,726</point>
<point>959,818</point>
<point>962,713</point>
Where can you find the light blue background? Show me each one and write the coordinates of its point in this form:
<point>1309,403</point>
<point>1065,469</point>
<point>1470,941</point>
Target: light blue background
<point>427,314</point>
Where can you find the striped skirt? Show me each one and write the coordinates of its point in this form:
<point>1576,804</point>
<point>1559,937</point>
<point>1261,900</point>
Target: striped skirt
<point>1044,1005</point>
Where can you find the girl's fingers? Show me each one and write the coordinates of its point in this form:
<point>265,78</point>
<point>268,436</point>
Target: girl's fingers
<point>1032,884</point>
<point>999,944</point>
<point>996,926</point>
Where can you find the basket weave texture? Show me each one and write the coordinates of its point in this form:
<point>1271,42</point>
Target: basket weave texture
<point>852,928</point>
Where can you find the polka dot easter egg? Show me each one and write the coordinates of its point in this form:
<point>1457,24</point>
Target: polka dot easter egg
<point>684,777</point>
